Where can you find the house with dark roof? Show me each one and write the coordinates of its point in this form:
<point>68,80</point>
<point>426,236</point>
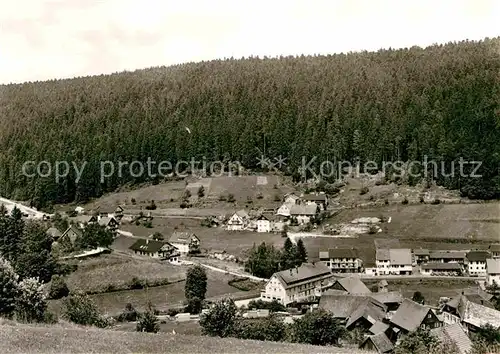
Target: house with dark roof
<point>320,199</point>
<point>377,342</point>
<point>69,236</point>
<point>264,223</point>
<point>238,221</point>
<point>476,262</point>
<point>83,220</point>
<point>456,336</point>
<point>109,223</point>
<point>421,255</point>
<point>394,261</point>
<point>298,284</point>
<point>440,268</point>
<point>54,233</point>
<point>185,241</point>
<point>391,299</point>
<point>156,249</point>
<point>494,249</point>
<point>493,271</point>
<point>471,312</point>
<point>411,316</point>
<point>303,213</point>
<point>351,285</point>
<point>342,260</point>
<point>447,257</point>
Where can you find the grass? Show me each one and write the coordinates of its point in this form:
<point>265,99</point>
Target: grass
<point>74,339</point>
<point>431,289</point>
<point>98,274</point>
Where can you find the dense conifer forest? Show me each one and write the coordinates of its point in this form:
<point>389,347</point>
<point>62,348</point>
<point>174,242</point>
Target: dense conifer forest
<point>441,101</point>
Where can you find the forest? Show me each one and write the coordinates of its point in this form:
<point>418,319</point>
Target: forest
<point>441,102</point>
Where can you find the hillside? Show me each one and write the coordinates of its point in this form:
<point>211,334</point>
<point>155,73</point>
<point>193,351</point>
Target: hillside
<point>441,102</point>
<point>73,339</point>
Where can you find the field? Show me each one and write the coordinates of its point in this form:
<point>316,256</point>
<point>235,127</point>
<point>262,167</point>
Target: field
<point>431,289</point>
<point>96,274</point>
<point>73,339</point>
<point>162,297</point>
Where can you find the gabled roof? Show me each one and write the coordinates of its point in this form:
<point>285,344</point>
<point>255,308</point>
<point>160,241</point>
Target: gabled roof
<point>264,217</point>
<point>421,252</point>
<point>339,252</point>
<point>353,285</point>
<point>397,256</point>
<point>442,266</point>
<point>455,334</point>
<point>55,233</point>
<point>85,218</point>
<point>495,247</point>
<point>371,310</point>
<point>315,197</point>
<point>105,221</point>
<point>389,297</point>
<point>75,230</point>
<point>303,209</point>
<point>382,254</point>
<point>378,327</point>
<point>183,237</point>
<point>478,256</point>
<point>477,296</point>
<point>477,315</point>
<point>242,214</point>
<point>447,255</point>
<point>150,246</point>
<point>493,266</point>
<point>344,305</point>
<point>410,315</point>
<point>306,272</point>
<point>381,342</point>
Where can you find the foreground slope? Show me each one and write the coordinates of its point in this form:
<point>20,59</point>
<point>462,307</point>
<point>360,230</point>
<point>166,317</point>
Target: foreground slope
<point>71,339</point>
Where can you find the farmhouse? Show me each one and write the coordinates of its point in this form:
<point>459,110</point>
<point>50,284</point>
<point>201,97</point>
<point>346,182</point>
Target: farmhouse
<point>303,213</point>
<point>284,210</point>
<point>456,335</point>
<point>278,223</point>
<point>54,233</point>
<point>156,249</point>
<point>494,250</point>
<point>109,223</point>
<point>391,299</point>
<point>441,269</point>
<point>476,262</point>
<point>319,199</point>
<point>351,285</point>
<point>394,261</point>
<point>447,256</point>
<point>493,271</point>
<point>69,236</point>
<point>238,221</point>
<point>342,260</point>
<point>291,199</point>
<point>421,255</point>
<point>469,313</point>
<point>410,316</point>
<point>378,342</point>
<point>185,242</point>
<point>84,220</point>
<point>263,224</point>
<point>298,284</point>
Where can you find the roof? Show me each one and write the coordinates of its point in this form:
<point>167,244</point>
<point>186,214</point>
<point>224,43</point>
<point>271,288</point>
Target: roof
<point>495,247</point>
<point>381,342</point>
<point>455,334</point>
<point>478,315</point>
<point>382,254</point>
<point>75,230</point>
<point>84,218</point>
<point>442,266</point>
<point>149,246</point>
<point>409,315</point>
<point>183,237</point>
<point>493,266</point>
<point>340,252</point>
<point>105,221</point>
<point>54,232</point>
<point>341,305</point>
<point>477,296</point>
<point>388,297</point>
<point>304,273</point>
<point>378,327</point>
<point>353,285</point>
<point>383,282</point>
<point>421,252</point>
<point>478,256</point>
<point>303,209</point>
<point>447,254</point>
<point>371,310</point>
<point>315,197</point>
<point>242,214</point>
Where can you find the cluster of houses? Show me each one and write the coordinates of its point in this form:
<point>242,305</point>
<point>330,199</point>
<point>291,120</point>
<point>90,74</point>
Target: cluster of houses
<point>298,210</point>
<point>404,261</point>
<point>384,316</point>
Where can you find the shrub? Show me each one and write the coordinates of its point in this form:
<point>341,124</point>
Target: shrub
<point>129,315</point>
<point>148,224</point>
<point>80,309</point>
<point>148,322</point>
<point>136,283</point>
<point>436,201</point>
<point>364,190</point>
<point>133,201</point>
<point>386,201</point>
<point>151,206</point>
<point>9,287</point>
<point>172,312</point>
<point>277,198</point>
<point>405,201</point>
<point>421,199</point>
<point>260,196</point>
<point>220,320</point>
<point>58,288</point>
<point>230,198</point>
<point>201,192</point>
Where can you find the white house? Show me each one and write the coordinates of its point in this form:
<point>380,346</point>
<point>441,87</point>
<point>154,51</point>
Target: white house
<point>441,268</point>
<point>493,271</point>
<point>263,224</point>
<point>156,249</point>
<point>185,242</point>
<point>238,221</point>
<point>476,262</point>
<point>494,250</point>
<point>396,261</point>
<point>319,199</point>
<point>79,209</point>
<point>342,260</point>
<point>298,284</point>
<point>303,213</point>
<point>291,199</point>
<point>284,210</point>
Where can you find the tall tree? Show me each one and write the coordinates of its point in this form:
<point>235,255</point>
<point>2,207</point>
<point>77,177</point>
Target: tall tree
<point>9,288</point>
<point>196,283</point>
<point>301,252</point>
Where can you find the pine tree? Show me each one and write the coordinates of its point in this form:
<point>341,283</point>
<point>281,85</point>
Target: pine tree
<point>9,288</point>
<point>148,321</point>
<point>301,253</point>
<point>288,257</point>
<point>196,283</point>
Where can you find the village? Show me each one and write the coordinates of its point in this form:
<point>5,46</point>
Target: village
<point>337,278</point>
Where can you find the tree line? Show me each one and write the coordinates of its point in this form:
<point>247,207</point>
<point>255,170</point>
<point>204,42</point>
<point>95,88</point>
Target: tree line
<point>441,102</point>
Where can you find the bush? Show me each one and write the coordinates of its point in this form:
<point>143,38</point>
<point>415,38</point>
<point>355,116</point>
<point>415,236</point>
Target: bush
<point>230,198</point>
<point>58,288</point>
<point>136,283</point>
<point>421,199</point>
<point>133,201</point>
<point>129,315</point>
<point>201,192</point>
<point>277,198</point>
<point>436,201</point>
<point>148,224</point>
<point>220,320</point>
<point>80,309</point>
<point>386,201</point>
<point>151,206</point>
<point>364,190</point>
<point>405,201</point>
<point>148,322</point>
<point>172,312</point>
<point>194,306</point>
<point>273,306</point>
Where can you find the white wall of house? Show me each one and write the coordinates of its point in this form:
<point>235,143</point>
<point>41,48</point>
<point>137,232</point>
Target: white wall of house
<point>182,247</point>
<point>344,264</point>
<point>303,219</point>
<point>371,271</point>
<point>275,290</point>
<point>263,226</point>
<point>477,268</point>
<point>235,223</point>
<point>386,268</point>
<point>278,226</point>
<point>449,319</point>
<point>284,210</point>
<point>490,278</point>
<point>291,200</point>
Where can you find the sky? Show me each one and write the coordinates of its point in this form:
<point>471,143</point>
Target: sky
<point>48,39</point>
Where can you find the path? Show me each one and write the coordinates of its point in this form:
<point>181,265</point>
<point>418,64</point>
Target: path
<point>10,204</point>
<point>416,276</point>
<point>294,236</point>
<point>220,270</point>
